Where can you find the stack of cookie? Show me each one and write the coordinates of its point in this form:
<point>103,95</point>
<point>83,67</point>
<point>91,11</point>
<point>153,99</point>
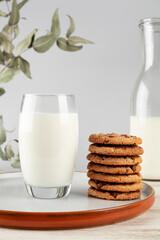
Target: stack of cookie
<point>114,169</point>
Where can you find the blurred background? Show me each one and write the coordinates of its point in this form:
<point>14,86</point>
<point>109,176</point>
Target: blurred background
<point>101,75</point>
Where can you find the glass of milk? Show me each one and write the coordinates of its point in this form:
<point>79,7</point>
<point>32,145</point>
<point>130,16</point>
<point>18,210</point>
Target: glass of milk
<point>48,140</point>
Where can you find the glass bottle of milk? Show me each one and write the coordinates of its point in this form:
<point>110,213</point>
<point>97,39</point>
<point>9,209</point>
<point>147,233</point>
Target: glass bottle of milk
<point>145,99</point>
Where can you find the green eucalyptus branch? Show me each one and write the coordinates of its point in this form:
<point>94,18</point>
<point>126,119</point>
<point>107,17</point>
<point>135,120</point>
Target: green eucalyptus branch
<point>13,63</point>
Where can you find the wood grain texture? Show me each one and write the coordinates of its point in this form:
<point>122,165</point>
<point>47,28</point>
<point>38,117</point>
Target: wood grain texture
<point>145,226</point>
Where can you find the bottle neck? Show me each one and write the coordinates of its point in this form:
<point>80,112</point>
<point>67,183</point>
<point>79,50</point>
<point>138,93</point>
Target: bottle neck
<point>151,49</point>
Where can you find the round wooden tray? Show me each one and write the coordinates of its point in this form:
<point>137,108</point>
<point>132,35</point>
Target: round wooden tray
<point>78,210</point>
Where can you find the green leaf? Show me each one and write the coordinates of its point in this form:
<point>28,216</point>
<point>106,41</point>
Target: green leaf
<point>15,162</point>
<point>7,45</point>
<point>7,31</point>
<point>2,155</point>
<point>15,63</point>
<point>55,28</point>
<point>2,59</point>
<point>44,43</point>
<point>9,151</point>
<point>1,63</point>
<point>75,39</point>
<point>2,131</point>
<point>63,44</point>
<point>16,31</point>
<point>12,62</point>
<point>8,74</point>
<point>14,17</point>
<point>5,55</point>
<point>26,43</point>
<point>2,91</point>
<point>3,14</point>
<point>21,4</point>
<point>24,66</point>
<point>71,28</point>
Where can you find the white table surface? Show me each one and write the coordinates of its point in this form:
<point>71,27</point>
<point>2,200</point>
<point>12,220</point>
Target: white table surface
<point>146,226</point>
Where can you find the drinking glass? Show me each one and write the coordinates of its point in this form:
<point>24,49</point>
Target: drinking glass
<point>48,139</point>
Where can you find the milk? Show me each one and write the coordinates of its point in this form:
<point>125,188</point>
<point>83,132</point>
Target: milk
<point>48,148</point>
<point>149,130</point>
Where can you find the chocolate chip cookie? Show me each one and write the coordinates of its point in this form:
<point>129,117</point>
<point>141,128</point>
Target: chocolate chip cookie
<point>119,187</point>
<point>116,150</point>
<point>114,169</point>
<point>115,139</point>
<point>113,195</point>
<point>114,160</point>
<point>115,178</point>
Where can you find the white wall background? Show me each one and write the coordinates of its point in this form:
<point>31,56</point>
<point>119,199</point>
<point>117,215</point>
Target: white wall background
<point>101,75</point>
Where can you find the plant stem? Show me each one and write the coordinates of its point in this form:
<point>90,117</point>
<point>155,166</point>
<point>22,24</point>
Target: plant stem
<point>10,37</point>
